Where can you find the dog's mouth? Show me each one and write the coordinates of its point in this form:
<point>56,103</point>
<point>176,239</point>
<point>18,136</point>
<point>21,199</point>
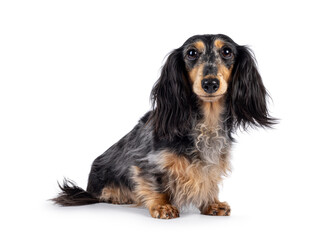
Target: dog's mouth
<point>210,98</point>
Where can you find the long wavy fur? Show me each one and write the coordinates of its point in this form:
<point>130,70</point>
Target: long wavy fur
<point>247,97</point>
<point>172,99</point>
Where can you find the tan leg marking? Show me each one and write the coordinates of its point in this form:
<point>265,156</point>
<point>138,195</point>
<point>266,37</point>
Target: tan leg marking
<point>116,195</point>
<point>157,203</point>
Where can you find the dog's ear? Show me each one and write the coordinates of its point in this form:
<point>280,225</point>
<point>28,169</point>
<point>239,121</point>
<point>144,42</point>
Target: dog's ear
<point>170,98</point>
<point>247,98</point>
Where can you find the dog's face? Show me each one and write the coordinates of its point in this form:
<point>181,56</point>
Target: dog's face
<point>209,60</point>
<point>209,68</point>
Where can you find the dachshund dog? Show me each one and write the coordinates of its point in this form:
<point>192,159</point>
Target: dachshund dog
<point>178,153</point>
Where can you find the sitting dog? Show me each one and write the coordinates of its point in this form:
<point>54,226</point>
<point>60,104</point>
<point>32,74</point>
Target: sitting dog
<point>178,152</point>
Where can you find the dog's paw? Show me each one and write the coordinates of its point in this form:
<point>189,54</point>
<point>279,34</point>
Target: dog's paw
<point>164,211</point>
<point>217,209</point>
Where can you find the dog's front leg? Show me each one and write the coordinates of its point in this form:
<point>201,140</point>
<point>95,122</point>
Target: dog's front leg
<point>155,201</point>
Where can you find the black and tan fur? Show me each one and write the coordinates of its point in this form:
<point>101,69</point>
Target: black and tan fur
<point>178,153</point>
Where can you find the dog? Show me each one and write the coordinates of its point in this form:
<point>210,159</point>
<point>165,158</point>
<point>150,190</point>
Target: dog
<point>179,152</point>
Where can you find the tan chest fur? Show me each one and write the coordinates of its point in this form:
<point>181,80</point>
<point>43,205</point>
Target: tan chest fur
<point>193,183</point>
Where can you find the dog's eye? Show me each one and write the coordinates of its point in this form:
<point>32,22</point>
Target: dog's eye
<point>192,54</point>
<point>226,52</point>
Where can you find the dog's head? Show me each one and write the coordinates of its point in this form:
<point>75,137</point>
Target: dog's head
<point>209,61</point>
<point>209,68</point>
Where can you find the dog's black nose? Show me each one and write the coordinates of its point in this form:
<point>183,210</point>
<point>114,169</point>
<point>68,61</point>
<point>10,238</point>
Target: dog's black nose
<point>210,85</point>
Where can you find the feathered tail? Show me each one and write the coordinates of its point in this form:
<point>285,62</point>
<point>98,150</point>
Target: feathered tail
<point>72,195</point>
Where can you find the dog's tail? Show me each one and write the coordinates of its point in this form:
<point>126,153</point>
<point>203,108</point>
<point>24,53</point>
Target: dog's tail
<point>72,195</point>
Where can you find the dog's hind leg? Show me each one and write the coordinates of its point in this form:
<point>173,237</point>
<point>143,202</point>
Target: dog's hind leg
<point>117,195</point>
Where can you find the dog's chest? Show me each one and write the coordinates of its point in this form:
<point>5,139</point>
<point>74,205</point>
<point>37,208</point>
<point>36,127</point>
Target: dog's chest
<point>192,182</point>
<point>195,183</point>
<point>211,144</point>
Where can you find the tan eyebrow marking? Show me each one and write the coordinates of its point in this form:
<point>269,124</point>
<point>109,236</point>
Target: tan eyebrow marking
<point>199,45</point>
<point>218,43</point>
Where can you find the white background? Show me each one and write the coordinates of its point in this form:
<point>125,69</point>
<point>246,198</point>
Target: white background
<point>76,76</point>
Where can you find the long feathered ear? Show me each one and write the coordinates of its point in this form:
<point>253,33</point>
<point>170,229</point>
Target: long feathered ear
<point>170,98</point>
<point>247,103</point>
